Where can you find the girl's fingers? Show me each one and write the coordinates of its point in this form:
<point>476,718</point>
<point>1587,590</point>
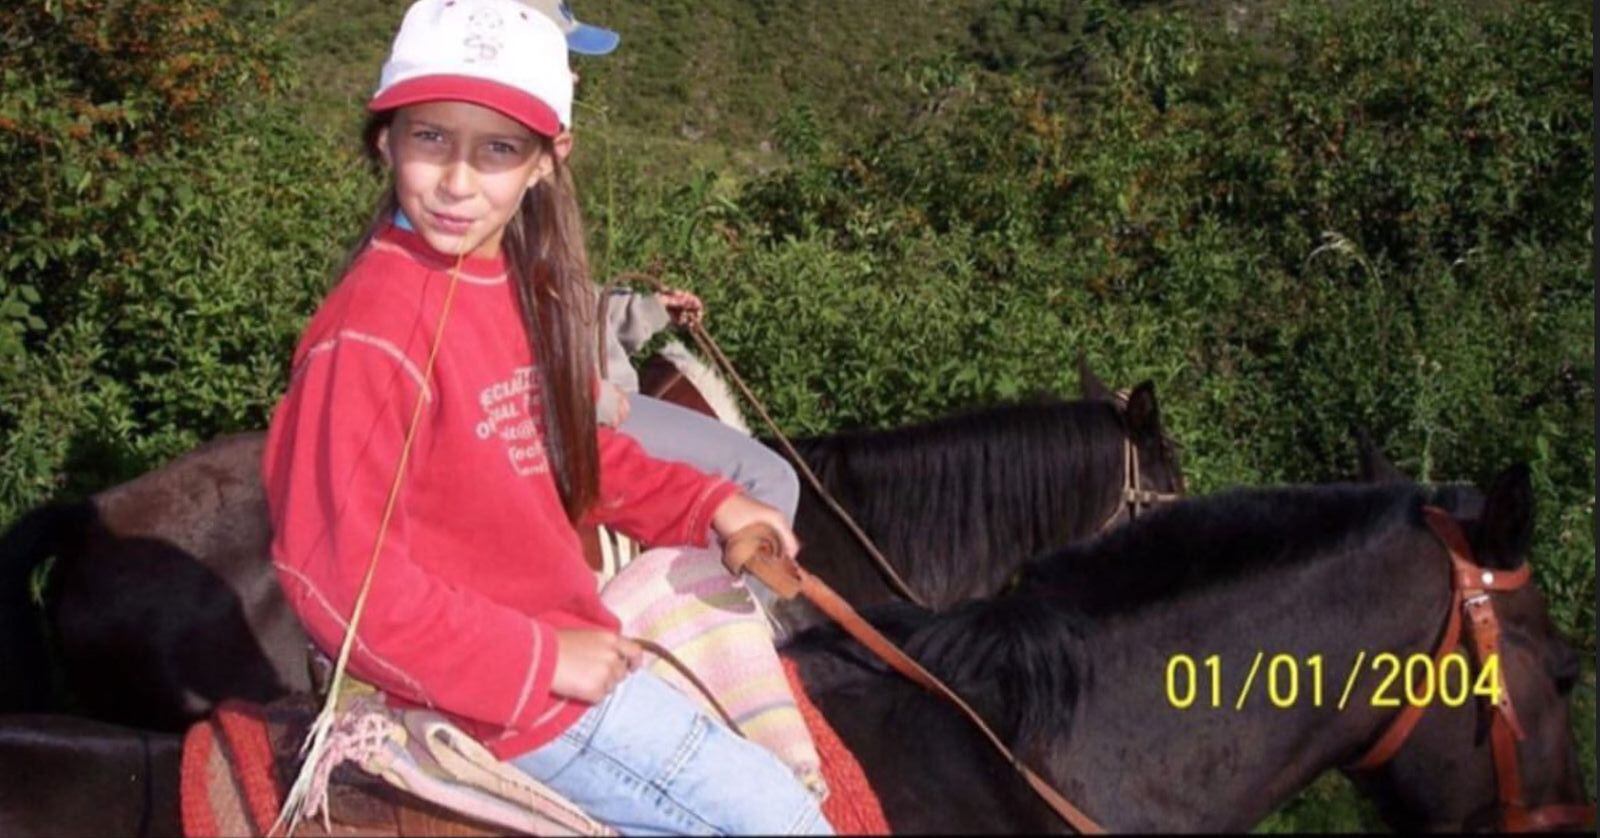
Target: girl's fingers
<point>684,306</point>
<point>632,652</point>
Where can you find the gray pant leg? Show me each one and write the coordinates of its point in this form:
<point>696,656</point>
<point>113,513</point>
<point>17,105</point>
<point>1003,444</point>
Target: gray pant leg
<point>669,432</point>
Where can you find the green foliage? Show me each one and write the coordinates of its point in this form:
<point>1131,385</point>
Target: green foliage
<point>1054,37</point>
<point>92,89</point>
<point>1179,221</point>
<point>1296,218</point>
<point>161,264</point>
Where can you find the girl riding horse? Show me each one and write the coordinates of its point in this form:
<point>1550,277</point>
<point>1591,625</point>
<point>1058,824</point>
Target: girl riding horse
<point>1071,667</point>
<point>438,444</point>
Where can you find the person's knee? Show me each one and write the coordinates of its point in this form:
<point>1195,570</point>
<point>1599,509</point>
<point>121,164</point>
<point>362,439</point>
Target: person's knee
<point>770,479</point>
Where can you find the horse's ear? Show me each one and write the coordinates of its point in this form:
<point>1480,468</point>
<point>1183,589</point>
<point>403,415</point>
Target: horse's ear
<point>1503,534</point>
<point>1089,385</point>
<point>1144,417</point>
<point>1375,467</point>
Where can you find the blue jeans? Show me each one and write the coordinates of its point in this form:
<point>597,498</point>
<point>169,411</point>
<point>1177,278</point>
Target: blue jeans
<point>646,761</point>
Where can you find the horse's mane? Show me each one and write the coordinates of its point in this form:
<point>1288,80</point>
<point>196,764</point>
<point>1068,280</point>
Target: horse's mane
<point>708,382</point>
<point>1005,481</point>
<point>1020,655</point>
<point>1216,540</point>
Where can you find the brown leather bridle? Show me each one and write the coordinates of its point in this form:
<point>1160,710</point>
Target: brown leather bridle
<point>1471,586</point>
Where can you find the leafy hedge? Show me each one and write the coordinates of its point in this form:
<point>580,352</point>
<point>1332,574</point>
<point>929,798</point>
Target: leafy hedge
<point>173,230</point>
<point>1379,220</point>
<point>1296,218</point>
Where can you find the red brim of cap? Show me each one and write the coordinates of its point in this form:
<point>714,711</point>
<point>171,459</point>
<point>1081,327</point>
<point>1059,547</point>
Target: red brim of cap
<point>520,105</point>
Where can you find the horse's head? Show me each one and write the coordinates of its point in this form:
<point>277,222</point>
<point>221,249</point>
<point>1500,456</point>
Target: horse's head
<point>1447,775</point>
<point>1153,475</point>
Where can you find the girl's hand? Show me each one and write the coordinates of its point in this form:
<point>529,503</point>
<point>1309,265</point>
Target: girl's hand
<point>590,663</point>
<point>682,306</point>
<point>741,510</point>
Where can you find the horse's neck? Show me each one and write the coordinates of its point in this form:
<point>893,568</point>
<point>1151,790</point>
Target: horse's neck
<point>1226,767</point>
<point>950,513</point>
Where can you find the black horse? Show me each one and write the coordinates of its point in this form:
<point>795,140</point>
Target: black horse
<point>1071,665</point>
<point>955,504</point>
<point>163,601</point>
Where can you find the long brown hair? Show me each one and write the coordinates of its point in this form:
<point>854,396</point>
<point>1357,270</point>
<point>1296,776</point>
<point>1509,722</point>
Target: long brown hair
<point>545,252</point>
<point>549,262</point>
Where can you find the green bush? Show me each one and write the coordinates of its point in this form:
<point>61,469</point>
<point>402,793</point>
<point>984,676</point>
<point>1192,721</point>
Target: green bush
<point>93,90</point>
<point>1292,241</point>
<point>174,237</point>
<point>1296,218</point>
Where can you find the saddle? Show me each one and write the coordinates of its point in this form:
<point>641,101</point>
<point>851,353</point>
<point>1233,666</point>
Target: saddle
<point>237,764</point>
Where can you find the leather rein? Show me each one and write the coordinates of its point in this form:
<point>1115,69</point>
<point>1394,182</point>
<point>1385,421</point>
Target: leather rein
<point>757,550</point>
<point>1471,585</point>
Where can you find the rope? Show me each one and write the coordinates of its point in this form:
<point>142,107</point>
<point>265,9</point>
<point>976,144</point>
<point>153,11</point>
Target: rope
<point>308,794</point>
<point>709,346</point>
<point>661,652</point>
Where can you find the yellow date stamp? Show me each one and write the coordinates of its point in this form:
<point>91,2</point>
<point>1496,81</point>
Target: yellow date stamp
<point>1289,681</point>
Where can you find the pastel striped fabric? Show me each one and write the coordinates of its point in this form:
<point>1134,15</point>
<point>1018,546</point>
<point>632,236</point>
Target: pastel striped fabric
<point>685,600</point>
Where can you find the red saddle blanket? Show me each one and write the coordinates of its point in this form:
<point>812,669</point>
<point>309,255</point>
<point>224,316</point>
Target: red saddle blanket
<point>228,784</point>
<point>232,782</point>
<point>852,807</point>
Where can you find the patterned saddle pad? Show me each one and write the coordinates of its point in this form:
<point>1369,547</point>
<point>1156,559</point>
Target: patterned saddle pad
<point>237,764</point>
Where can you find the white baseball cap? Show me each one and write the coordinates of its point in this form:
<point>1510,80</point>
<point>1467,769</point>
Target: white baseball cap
<point>582,38</point>
<point>494,53</point>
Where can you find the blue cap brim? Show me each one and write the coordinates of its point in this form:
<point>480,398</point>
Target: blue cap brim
<point>592,40</point>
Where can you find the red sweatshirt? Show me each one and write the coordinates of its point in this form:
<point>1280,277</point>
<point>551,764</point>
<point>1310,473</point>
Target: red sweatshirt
<point>479,565</point>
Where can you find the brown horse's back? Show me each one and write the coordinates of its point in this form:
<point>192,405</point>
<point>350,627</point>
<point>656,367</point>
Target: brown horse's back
<point>152,593</point>
<point>162,597</point>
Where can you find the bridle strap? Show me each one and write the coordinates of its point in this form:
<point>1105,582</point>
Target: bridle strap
<point>1134,495</point>
<point>756,550</point>
<point>1548,818</point>
<point>1395,735</point>
<point>709,346</point>
<point>1471,584</point>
